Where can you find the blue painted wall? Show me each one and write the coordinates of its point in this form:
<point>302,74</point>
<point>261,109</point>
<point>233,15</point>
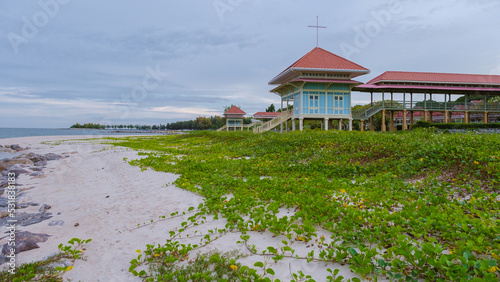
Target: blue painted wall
<point>317,99</point>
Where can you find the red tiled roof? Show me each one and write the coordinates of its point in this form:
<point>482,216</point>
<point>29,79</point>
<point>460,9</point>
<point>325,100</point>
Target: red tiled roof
<point>320,59</point>
<point>370,86</point>
<point>436,78</point>
<point>266,115</point>
<point>235,111</point>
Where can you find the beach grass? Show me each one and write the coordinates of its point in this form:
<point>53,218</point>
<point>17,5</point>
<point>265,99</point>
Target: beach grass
<point>44,270</point>
<point>412,205</point>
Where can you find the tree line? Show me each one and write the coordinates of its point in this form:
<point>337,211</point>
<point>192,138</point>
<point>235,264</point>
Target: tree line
<point>200,123</point>
<point>120,126</point>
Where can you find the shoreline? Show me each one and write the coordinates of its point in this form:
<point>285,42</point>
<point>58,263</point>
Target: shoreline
<point>96,194</point>
<point>106,196</point>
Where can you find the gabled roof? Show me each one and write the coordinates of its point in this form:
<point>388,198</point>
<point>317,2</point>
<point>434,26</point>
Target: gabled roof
<point>431,77</point>
<point>234,111</point>
<point>319,59</point>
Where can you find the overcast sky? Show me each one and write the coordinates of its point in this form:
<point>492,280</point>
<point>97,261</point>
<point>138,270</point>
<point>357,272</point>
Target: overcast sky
<point>151,62</point>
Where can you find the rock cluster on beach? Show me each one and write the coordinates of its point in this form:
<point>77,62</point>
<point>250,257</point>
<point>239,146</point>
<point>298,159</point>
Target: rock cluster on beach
<point>33,165</point>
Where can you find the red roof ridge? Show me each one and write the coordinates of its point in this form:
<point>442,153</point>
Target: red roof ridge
<point>235,110</point>
<point>433,77</point>
<point>318,49</point>
<point>321,59</point>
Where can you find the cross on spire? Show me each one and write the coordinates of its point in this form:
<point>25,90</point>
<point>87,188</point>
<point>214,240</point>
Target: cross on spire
<point>317,27</point>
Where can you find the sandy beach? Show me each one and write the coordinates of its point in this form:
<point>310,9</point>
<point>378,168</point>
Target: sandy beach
<point>96,189</point>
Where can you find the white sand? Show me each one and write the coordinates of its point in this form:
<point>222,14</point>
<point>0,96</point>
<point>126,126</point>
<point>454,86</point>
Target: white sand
<point>78,188</point>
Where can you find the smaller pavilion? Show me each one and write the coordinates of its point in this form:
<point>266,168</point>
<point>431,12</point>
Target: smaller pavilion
<point>234,119</point>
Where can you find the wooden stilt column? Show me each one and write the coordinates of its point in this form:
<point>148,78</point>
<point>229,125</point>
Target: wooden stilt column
<point>485,117</point>
<point>405,124</point>
<point>372,126</point>
<point>446,116</point>
<point>431,117</point>
<point>281,125</point>
<point>286,122</point>
<point>467,117</point>
<point>391,122</point>
<point>362,125</point>
<point>384,128</point>
<point>426,115</point>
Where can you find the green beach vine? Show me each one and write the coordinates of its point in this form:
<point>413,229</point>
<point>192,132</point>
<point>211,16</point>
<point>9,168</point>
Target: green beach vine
<point>405,206</point>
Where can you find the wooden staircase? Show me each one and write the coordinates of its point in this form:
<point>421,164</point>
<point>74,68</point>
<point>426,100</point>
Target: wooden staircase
<point>274,122</point>
<point>222,128</point>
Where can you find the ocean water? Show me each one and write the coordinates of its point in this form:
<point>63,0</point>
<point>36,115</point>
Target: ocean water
<point>26,132</point>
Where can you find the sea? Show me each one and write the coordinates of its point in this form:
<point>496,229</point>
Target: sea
<point>27,132</point>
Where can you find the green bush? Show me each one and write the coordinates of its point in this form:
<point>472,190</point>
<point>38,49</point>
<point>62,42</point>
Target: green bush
<point>468,126</point>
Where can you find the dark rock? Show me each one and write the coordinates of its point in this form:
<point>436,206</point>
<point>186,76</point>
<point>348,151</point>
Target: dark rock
<point>35,174</point>
<point>77,224</point>
<point>37,218</point>
<point>22,205</point>
<point>1,191</point>
<point>25,205</point>
<point>41,163</point>
<point>44,207</point>
<point>16,170</point>
<point>6,163</point>
<point>25,241</point>
<point>52,157</point>
<point>4,214</point>
<point>56,222</point>
<point>3,202</point>
<point>26,219</point>
<point>36,169</point>
<point>35,157</point>
<point>16,147</point>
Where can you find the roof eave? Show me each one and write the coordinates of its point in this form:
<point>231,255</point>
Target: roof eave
<point>277,80</point>
<point>434,82</point>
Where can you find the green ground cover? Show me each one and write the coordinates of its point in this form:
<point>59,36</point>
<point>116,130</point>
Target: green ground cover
<point>404,206</point>
<point>45,270</point>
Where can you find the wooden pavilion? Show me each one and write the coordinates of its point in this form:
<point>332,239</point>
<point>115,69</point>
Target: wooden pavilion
<point>234,119</point>
<point>319,85</point>
<point>437,90</point>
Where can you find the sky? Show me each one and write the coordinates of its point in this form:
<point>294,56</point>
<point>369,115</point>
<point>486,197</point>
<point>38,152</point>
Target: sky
<point>161,61</point>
